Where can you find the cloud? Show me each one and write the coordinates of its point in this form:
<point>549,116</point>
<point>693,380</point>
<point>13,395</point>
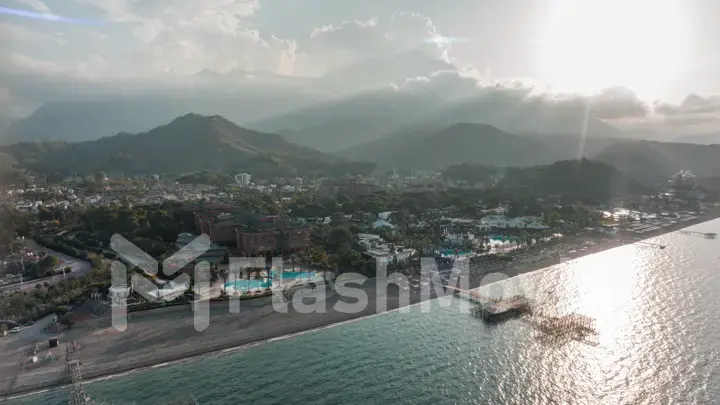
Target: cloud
<point>333,47</point>
<point>152,43</point>
<point>612,103</point>
<point>26,74</point>
<point>11,107</point>
<point>166,41</point>
<point>36,5</point>
<point>693,114</point>
<point>12,34</point>
<point>191,35</point>
<point>691,120</point>
<point>693,104</point>
<point>609,104</point>
<point>21,63</point>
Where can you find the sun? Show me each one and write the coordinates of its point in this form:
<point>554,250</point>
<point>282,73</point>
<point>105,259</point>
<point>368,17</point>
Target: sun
<point>587,45</point>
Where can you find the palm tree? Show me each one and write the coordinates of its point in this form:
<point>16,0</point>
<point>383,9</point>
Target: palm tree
<point>224,275</point>
<point>257,276</point>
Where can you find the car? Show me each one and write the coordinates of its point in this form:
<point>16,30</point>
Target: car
<point>15,329</point>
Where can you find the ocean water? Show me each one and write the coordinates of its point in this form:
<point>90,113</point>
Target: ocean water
<point>657,312</point>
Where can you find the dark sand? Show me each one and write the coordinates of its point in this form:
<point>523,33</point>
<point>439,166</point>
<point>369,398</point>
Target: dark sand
<point>167,335</point>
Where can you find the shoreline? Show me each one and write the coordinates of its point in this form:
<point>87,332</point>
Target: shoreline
<point>284,327</point>
<point>608,242</point>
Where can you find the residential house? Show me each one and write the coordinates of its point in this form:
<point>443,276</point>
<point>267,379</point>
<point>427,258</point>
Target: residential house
<point>493,222</point>
<point>376,248</point>
<point>381,223</point>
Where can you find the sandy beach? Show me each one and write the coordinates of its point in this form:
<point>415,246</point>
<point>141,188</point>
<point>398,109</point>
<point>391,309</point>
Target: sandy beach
<point>166,335</point>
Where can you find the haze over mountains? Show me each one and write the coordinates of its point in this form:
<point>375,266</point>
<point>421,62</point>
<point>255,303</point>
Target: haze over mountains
<point>347,107</point>
<point>241,96</point>
<point>431,148</point>
<point>194,143</point>
<point>406,110</point>
<point>187,144</point>
<point>459,143</point>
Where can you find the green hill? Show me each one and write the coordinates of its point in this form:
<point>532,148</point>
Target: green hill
<point>655,162</point>
<point>187,144</point>
<point>459,143</point>
<point>583,179</point>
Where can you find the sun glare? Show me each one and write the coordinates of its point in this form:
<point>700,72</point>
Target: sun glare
<point>587,45</point>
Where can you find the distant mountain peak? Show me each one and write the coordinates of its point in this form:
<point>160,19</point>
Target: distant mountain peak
<point>199,119</point>
<point>189,143</point>
<point>207,73</point>
<point>472,126</point>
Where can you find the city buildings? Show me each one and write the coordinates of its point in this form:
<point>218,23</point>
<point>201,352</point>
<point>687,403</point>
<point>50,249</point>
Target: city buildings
<point>351,187</point>
<point>250,233</point>
<point>243,179</point>
<point>272,234</point>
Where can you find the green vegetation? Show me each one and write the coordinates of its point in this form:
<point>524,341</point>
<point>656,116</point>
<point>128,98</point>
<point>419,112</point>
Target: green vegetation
<point>584,180</point>
<point>53,299</point>
<point>188,143</point>
<point>655,162</point>
<point>206,177</point>
<point>67,320</point>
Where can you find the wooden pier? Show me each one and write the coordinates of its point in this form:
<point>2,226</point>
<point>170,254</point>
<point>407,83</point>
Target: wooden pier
<point>650,244</point>
<point>563,329</point>
<point>707,235</point>
<point>494,309</point>
<point>548,329</point>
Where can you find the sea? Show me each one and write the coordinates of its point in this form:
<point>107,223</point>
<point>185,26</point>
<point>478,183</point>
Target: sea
<point>656,312</point>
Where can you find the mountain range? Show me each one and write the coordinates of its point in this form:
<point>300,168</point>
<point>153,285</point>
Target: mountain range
<point>344,108</point>
<point>431,148</point>
<point>459,143</point>
<point>241,96</point>
<point>654,161</point>
<point>188,143</point>
<point>651,162</point>
<point>351,121</point>
<point>193,143</point>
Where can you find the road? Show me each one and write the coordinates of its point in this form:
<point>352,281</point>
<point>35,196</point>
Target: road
<point>36,331</point>
<point>79,268</point>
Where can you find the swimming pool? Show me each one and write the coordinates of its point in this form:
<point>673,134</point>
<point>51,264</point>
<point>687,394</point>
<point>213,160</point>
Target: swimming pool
<point>500,238</point>
<point>295,274</point>
<point>242,285</point>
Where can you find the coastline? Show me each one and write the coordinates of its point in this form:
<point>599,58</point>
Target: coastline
<point>602,244</point>
<point>159,345</point>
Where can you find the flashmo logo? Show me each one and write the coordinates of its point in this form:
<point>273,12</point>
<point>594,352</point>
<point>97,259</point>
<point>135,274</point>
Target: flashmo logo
<point>148,289</point>
<point>348,293</point>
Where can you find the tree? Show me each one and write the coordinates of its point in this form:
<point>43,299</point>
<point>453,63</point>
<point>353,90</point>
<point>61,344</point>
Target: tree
<point>338,219</point>
<point>401,218</point>
<point>340,240</point>
<point>224,276</point>
<point>48,262</point>
<point>67,320</point>
<point>213,274</point>
<point>553,218</point>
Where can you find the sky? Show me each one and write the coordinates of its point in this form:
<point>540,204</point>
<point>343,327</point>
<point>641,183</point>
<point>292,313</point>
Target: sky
<point>660,50</point>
